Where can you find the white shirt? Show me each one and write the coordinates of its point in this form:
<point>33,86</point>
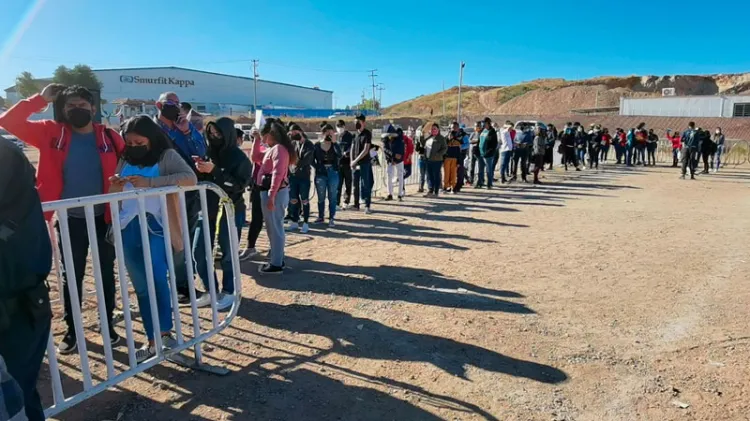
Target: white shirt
<point>428,147</point>
<point>506,143</point>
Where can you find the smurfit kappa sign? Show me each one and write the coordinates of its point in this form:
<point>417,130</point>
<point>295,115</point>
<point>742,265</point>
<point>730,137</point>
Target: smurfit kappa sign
<point>173,81</point>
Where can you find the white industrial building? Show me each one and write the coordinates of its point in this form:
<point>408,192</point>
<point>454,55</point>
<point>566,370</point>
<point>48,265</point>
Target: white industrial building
<point>208,92</point>
<point>687,106</point>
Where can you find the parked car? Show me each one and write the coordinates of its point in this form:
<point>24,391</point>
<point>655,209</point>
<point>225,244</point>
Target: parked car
<point>533,123</point>
<point>336,116</point>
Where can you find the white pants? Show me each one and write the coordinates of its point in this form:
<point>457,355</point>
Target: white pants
<point>400,174</point>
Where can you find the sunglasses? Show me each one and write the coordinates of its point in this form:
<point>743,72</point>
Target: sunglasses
<point>170,102</point>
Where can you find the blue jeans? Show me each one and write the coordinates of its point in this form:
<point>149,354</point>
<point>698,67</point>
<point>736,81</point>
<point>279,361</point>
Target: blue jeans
<point>482,171</point>
<point>275,224</point>
<point>490,166</point>
<point>299,191</point>
<point>133,250</point>
<point>629,155</point>
<point>363,174</point>
<point>200,253</point>
<point>719,150</point>
<point>581,153</point>
<point>423,174</point>
<point>433,172</point>
<point>505,162</point>
<point>327,183</point>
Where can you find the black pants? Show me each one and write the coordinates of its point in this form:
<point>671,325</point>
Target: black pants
<point>689,159</point>
<point>22,346</point>
<point>193,204</point>
<point>651,156</point>
<point>705,156</point>
<point>474,163</point>
<point>570,157</point>
<point>522,155</point>
<point>494,163</point>
<point>345,180</point>
<point>549,154</point>
<point>593,158</point>
<point>79,244</point>
<point>256,218</point>
<point>461,172</point>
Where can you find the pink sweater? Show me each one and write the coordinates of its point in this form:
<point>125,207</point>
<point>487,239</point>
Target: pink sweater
<point>274,161</point>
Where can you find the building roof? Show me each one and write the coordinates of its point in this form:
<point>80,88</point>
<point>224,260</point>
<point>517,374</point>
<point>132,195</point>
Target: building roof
<point>209,73</point>
<point>48,80</point>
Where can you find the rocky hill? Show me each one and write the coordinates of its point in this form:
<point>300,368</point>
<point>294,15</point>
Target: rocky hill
<point>560,96</point>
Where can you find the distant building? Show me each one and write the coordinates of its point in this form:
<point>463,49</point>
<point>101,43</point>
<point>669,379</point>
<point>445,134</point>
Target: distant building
<point>687,106</point>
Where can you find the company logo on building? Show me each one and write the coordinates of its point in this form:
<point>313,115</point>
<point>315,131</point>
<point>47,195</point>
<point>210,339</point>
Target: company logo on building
<point>182,83</point>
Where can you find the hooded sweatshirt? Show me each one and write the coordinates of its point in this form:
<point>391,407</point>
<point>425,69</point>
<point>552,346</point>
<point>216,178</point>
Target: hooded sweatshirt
<point>232,171</point>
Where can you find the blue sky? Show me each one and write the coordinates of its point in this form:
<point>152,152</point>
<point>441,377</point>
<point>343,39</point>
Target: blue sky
<point>414,45</point>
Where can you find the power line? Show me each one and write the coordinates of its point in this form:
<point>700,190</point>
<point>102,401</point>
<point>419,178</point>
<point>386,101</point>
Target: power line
<point>373,76</point>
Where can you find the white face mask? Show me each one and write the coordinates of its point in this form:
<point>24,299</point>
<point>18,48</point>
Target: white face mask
<point>339,130</point>
<point>718,132</point>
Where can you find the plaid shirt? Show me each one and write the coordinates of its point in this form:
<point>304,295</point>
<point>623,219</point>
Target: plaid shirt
<point>11,396</point>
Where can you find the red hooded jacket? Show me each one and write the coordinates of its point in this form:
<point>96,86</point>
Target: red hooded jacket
<point>53,141</point>
<point>676,140</point>
<point>408,150</point>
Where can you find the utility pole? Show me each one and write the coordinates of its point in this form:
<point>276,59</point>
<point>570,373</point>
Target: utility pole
<point>460,82</point>
<point>373,76</point>
<point>381,88</point>
<point>255,85</point>
<point>443,98</point>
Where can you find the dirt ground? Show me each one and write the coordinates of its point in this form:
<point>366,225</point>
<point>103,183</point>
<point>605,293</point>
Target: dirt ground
<point>611,295</point>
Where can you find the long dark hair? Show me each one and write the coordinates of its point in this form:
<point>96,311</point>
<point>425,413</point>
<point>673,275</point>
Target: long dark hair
<point>278,132</point>
<point>159,142</point>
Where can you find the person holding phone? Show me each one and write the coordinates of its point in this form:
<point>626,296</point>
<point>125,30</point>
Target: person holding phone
<point>77,157</point>
<point>327,155</point>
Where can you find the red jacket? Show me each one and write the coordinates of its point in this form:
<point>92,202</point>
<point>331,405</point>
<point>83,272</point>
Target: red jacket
<point>676,141</point>
<point>53,141</point>
<point>408,150</point>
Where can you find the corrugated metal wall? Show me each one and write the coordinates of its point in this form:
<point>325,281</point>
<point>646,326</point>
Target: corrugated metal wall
<point>689,106</point>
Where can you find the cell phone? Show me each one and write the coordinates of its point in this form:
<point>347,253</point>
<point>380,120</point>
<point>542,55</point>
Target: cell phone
<point>196,158</point>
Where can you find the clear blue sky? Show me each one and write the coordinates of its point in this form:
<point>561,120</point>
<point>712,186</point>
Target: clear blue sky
<point>414,45</point>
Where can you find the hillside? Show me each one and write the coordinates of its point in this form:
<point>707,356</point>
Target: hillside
<point>560,96</point>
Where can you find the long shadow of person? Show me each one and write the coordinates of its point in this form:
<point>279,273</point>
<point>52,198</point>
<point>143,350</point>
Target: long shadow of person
<point>413,285</point>
<point>364,338</point>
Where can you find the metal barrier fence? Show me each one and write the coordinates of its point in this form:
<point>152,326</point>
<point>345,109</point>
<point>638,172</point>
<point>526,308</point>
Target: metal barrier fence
<point>735,152</point>
<point>61,207</point>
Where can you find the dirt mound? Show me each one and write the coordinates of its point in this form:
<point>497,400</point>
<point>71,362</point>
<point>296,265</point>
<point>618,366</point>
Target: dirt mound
<point>560,96</point>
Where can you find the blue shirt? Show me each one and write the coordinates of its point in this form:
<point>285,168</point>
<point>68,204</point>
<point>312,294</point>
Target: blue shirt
<point>82,172</point>
<point>187,145</point>
<point>465,144</point>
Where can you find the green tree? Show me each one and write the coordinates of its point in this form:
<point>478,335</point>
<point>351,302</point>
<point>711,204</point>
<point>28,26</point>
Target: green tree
<point>80,74</point>
<point>366,104</point>
<point>26,85</point>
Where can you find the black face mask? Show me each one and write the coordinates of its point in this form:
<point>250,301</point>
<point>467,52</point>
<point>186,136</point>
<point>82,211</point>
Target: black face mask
<point>216,142</point>
<point>79,117</point>
<point>297,137</point>
<point>135,154</point>
<point>358,125</point>
<point>170,112</point>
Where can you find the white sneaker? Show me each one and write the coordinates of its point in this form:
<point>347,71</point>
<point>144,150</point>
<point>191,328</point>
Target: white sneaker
<point>292,226</point>
<point>305,228</point>
<point>224,301</point>
<point>204,300</point>
<point>247,254</point>
<point>368,211</point>
<point>147,351</point>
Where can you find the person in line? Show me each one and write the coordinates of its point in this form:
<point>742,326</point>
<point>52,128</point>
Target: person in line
<point>394,150</point>
<point>194,117</point>
<point>344,141</point>
<point>630,147</point>
<point>652,142</point>
<point>594,147</point>
<point>581,141</point>
<point>606,142</point>
<point>273,170</point>
<point>521,150</point>
<point>568,143</point>
<point>506,151</point>
<point>229,168</point>
<point>256,210</point>
<point>719,141</point>
<point>549,151</point>
<point>488,145</point>
<point>641,140</point>
<point>452,156</point>
<point>707,149</point>
<point>408,154</point>
<point>419,146</point>
<point>188,142</point>
<point>690,147</point>
<point>476,156</point>
<point>25,263</point>
<point>150,161</point>
<point>77,157</point>
<point>435,149</point>
<point>676,140</point>
<point>461,172</point>
<point>361,164</point>
<point>327,155</point>
<point>299,180</point>
<point>538,151</point>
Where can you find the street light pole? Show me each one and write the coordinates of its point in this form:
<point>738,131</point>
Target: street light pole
<point>255,85</point>
<point>460,82</point>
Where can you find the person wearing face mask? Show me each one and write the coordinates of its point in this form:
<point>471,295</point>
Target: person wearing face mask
<point>652,143</point>
<point>488,145</point>
<point>435,148</point>
<point>475,155</point>
<point>150,161</point>
<point>77,157</point>
<point>299,180</point>
<point>345,170</point>
<point>327,157</point>
<point>361,164</point>
<point>719,141</point>
<point>393,148</point>
<point>188,142</point>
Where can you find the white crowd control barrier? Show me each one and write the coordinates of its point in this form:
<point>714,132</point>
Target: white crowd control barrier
<point>183,342</point>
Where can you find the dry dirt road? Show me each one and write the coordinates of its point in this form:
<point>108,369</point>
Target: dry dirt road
<point>617,295</point>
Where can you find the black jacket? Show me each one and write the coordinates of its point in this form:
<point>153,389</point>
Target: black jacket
<point>319,158</point>
<point>489,147</point>
<point>232,171</point>
<point>345,144</point>
<point>392,147</point>
<point>305,157</point>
